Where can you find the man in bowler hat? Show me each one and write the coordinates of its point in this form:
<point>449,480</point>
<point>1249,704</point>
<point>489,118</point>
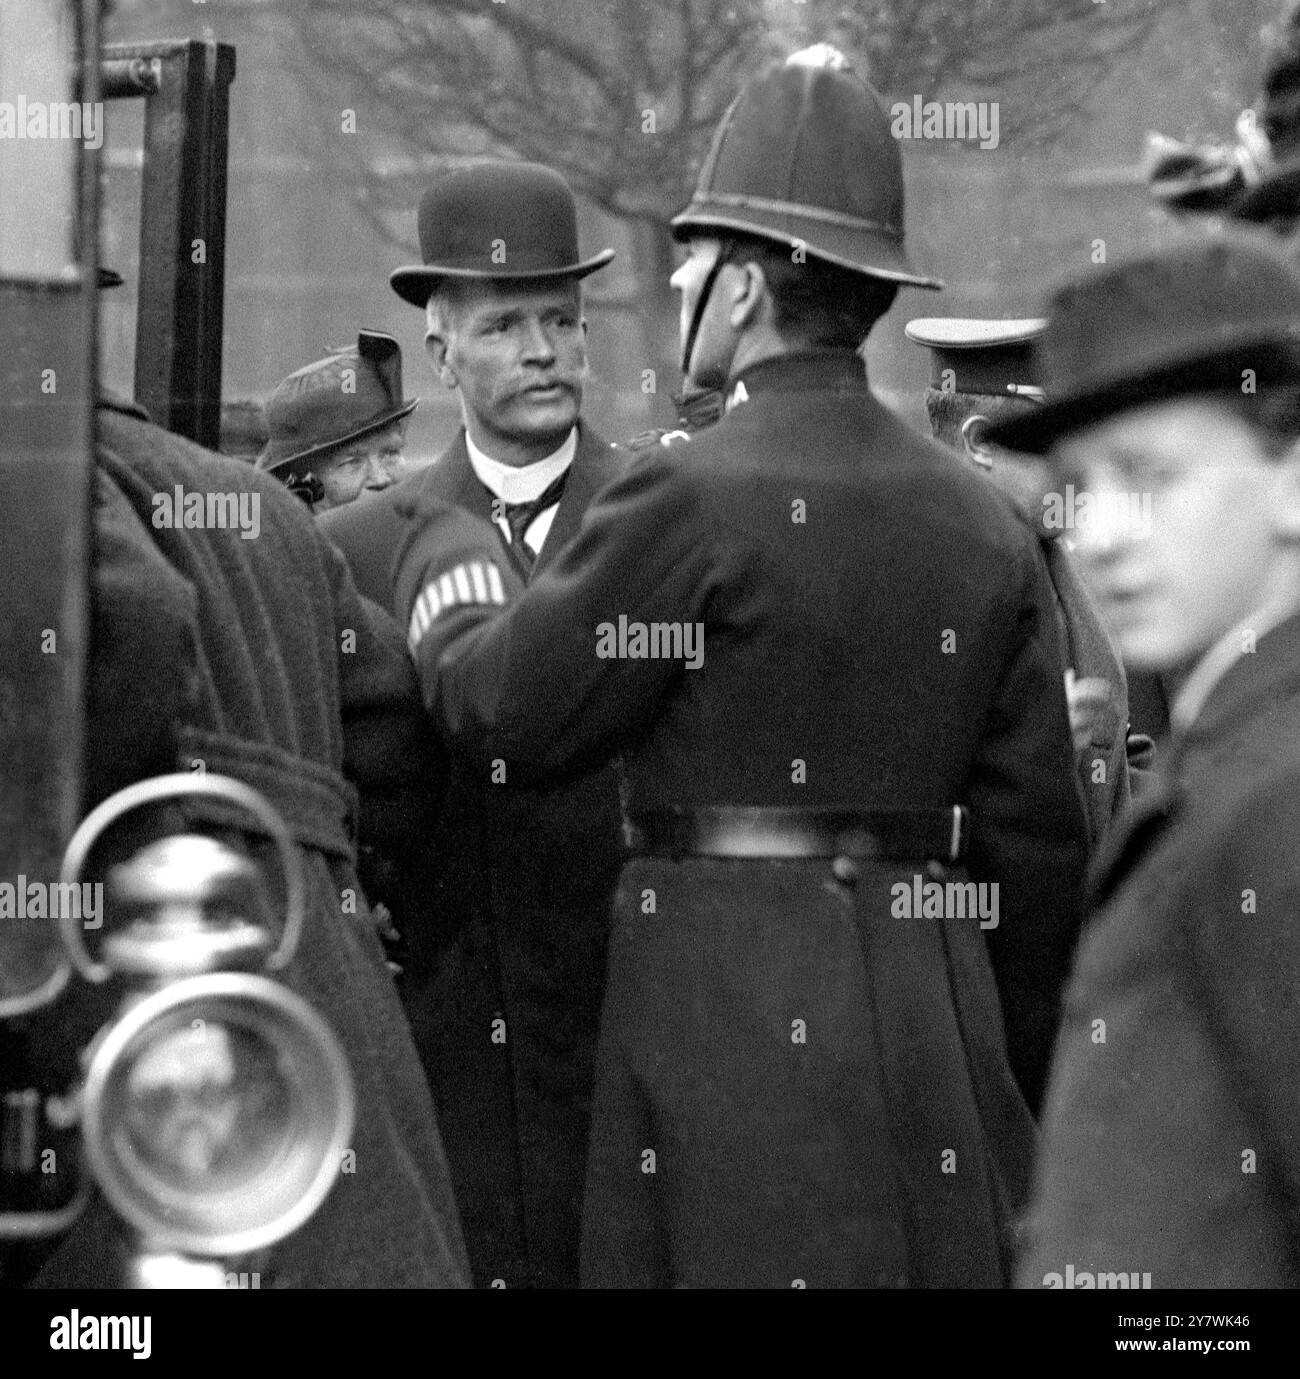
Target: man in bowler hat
<point>338,426</point>
<point>983,371</point>
<point>1170,1153</point>
<point>505,970</point>
<point>828,656</point>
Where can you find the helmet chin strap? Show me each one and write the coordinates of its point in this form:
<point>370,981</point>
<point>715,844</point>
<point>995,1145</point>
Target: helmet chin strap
<point>702,302</point>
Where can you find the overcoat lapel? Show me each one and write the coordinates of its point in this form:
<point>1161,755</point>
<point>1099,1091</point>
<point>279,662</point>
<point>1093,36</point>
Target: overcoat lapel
<point>452,479</point>
<point>1089,648</point>
<point>1250,690</point>
<point>595,464</point>
<point>1131,839</point>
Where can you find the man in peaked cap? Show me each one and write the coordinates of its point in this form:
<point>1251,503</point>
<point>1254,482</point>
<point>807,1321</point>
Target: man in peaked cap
<point>825,701</point>
<point>983,371</point>
<point>338,426</point>
<point>1171,1127</point>
<point>505,973</point>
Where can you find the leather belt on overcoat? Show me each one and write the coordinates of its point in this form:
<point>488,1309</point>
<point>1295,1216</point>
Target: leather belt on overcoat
<point>777,832</point>
<point>316,802</point>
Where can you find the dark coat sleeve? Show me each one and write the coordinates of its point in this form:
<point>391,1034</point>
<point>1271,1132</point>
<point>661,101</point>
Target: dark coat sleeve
<point>389,751</point>
<point>1103,764</point>
<point>1028,829</point>
<point>526,684</point>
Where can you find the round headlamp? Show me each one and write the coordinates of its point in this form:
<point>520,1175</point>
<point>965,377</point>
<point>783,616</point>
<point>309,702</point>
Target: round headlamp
<point>216,1112</point>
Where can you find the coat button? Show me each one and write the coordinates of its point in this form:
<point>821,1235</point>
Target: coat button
<point>845,870</point>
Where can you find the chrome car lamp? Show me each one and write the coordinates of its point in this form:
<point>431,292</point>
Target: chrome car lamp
<point>217,1104</point>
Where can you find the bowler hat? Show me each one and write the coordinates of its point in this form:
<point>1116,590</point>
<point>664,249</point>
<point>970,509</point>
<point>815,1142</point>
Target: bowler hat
<point>1190,319</point>
<point>335,401</point>
<point>500,221</point>
<point>804,156</point>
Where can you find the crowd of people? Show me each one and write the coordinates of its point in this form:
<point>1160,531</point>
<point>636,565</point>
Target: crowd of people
<point>809,853</point>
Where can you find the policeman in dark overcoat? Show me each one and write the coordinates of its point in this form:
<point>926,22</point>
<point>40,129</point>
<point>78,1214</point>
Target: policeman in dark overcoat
<point>1171,1154</point>
<point>829,657</point>
<point>506,967</point>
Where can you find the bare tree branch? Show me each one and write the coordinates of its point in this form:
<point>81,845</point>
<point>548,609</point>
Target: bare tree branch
<point>573,83</point>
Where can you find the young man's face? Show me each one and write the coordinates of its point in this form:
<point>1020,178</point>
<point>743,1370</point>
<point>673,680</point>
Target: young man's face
<point>518,354</point>
<point>1179,534</point>
<point>370,463</point>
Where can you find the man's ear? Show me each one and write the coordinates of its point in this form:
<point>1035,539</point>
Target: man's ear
<point>436,348</point>
<point>586,362</point>
<point>1285,496</point>
<point>749,296</point>
<point>972,439</point>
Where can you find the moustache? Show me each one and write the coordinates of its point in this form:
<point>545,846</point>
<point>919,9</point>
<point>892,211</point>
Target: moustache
<point>568,384</point>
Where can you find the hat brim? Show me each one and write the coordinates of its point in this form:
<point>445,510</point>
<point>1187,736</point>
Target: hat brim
<point>276,464</point>
<point>414,283</point>
<point>846,245</point>
<point>1278,194</point>
<point>1272,358</point>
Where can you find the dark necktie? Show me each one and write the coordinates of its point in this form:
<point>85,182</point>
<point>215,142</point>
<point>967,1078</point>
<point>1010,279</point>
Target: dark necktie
<point>521,516</point>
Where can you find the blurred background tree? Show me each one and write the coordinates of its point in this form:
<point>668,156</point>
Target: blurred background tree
<point>318,217</point>
<point>622,95</point>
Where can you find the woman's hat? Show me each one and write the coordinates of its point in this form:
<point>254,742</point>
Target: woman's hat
<point>335,401</point>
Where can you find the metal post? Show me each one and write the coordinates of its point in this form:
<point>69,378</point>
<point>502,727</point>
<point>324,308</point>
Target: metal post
<point>179,321</point>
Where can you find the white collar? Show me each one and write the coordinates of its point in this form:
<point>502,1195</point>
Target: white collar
<point>1217,662</point>
<point>523,483</point>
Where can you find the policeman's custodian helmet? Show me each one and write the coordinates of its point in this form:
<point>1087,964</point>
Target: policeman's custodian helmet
<point>805,156</point>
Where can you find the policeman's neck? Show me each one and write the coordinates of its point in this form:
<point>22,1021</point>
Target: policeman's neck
<point>765,343</point>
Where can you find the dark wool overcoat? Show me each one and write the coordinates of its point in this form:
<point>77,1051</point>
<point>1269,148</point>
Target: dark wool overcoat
<point>1090,653</point>
<point>797,1080</point>
<point>507,934</point>
<point>1171,1151</point>
<point>258,659</point>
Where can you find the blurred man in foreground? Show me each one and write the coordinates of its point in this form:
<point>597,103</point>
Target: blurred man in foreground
<point>1171,1128</point>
